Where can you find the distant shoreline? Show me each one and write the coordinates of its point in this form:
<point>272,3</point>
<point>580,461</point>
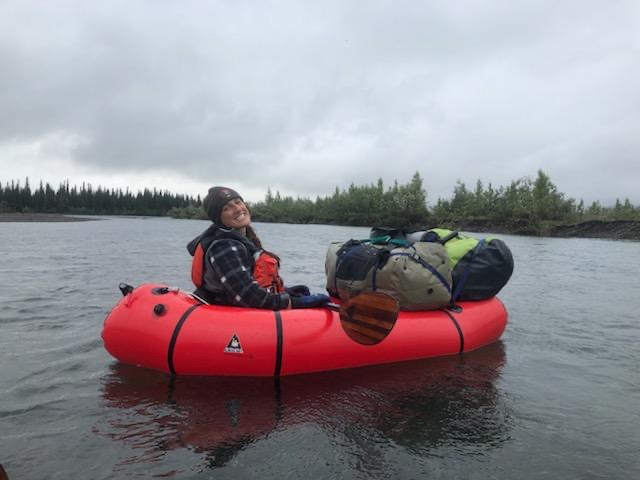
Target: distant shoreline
<point>605,229</point>
<point>42,217</point>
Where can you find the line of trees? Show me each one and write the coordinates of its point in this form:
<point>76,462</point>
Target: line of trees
<point>358,205</point>
<point>524,205</point>
<point>89,201</point>
<point>528,202</point>
<point>536,200</point>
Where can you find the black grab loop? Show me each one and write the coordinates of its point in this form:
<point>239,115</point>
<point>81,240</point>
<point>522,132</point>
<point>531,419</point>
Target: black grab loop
<point>160,290</point>
<point>125,289</point>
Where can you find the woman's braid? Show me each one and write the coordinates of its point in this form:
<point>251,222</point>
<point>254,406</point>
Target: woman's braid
<point>251,235</point>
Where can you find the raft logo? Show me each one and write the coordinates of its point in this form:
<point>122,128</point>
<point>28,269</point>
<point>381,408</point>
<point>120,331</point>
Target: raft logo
<point>234,345</point>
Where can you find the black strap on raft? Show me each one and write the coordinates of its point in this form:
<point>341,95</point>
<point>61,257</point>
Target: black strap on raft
<point>125,289</point>
<point>456,324</point>
<point>174,337</point>
<point>279,344</point>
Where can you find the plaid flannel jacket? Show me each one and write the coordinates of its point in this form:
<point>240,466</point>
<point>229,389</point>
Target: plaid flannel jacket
<point>233,264</point>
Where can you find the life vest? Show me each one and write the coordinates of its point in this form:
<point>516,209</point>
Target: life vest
<point>197,266</point>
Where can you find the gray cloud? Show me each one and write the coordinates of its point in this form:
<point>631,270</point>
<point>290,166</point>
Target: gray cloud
<point>304,96</point>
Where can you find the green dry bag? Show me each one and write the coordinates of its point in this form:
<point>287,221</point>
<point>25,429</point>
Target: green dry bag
<point>480,268</point>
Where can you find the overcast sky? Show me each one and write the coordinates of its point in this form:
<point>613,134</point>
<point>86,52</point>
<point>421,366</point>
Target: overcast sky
<point>304,96</point>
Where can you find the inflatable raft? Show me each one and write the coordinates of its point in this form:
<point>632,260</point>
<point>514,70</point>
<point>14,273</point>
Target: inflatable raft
<point>166,329</point>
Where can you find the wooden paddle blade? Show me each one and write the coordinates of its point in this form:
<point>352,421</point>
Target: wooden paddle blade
<point>369,317</point>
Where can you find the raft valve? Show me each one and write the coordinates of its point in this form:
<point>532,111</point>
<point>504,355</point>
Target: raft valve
<point>159,309</point>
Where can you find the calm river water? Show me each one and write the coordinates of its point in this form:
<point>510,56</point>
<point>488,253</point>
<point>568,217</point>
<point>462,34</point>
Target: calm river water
<point>558,397</point>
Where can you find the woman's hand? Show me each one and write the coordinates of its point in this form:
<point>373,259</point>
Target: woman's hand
<point>310,301</point>
<point>298,291</point>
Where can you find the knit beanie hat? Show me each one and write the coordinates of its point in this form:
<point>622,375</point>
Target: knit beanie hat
<point>216,199</point>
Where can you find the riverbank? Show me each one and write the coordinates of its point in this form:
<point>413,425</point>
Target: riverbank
<point>42,217</point>
<point>614,229</point>
<point>606,229</point>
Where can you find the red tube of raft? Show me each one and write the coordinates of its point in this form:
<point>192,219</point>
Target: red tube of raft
<point>168,330</point>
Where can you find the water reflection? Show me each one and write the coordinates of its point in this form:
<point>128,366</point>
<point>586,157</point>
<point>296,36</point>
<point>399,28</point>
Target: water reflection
<point>419,406</point>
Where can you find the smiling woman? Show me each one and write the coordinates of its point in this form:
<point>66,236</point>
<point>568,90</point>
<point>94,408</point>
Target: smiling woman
<point>230,267</point>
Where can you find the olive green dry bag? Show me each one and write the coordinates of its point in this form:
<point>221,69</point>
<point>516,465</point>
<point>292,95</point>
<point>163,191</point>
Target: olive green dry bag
<point>418,276</point>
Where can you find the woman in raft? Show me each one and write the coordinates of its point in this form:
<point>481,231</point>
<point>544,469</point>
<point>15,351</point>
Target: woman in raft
<point>231,268</point>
